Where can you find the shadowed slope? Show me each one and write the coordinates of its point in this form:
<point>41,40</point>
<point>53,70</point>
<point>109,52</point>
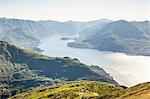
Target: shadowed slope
<point>22,69</point>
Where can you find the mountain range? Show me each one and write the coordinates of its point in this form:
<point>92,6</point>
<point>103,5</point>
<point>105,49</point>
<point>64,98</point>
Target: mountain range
<point>28,33</point>
<point>117,36</point>
<point>23,67</point>
<point>130,37</point>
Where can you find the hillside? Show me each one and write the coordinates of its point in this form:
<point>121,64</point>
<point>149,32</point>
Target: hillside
<point>118,36</point>
<point>77,90</point>
<point>140,91</point>
<point>22,69</point>
<point>24,33</point>
<point>86,90</point>
<point>28,33</point>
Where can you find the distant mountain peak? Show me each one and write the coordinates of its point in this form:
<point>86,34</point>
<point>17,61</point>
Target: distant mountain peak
<point>106,20</point>
<point>121,20</point>
<point>120,23</point>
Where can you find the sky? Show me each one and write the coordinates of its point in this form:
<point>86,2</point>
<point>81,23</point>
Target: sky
<point>76,10</point>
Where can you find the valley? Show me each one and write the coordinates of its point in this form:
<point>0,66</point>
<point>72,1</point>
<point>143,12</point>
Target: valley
<point>74,49</point>
<point>124,68</point>
<point>41,53</point>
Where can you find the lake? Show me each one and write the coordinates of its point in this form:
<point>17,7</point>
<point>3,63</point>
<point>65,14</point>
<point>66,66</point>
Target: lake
<point>125,69</point>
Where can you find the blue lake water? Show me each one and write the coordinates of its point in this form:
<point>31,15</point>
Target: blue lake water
<point>125,69</point>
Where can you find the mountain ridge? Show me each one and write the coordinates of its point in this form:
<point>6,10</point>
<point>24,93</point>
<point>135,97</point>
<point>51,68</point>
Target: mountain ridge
<point>118,36</point>
<point>22,69</point>
<point>29,33</point>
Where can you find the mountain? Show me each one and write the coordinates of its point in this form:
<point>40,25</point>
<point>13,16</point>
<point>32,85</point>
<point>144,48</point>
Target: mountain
<point>60,27</point>
<point>87,90</point>
<point>119,36</point>
<point>105,35</point>
<point>29,27</point>
<point>22,69</point>
<point>24,33</point>
<point>89,31</point>
<point>122,29</point>
<point>143,26</point>
<point>28,33</point>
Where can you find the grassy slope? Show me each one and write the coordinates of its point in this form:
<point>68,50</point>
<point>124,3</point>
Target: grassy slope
<point>78,89</point>
<point>86,90</point>
<point>140,91</point>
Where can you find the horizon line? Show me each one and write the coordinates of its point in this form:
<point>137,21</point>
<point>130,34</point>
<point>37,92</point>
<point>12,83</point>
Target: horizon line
<point>70,20</point>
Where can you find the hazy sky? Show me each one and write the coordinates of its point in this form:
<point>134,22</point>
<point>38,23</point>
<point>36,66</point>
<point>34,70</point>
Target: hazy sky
<point>79,10</point>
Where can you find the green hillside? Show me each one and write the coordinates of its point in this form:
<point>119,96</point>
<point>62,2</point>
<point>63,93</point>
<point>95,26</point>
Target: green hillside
<point>87,90</point>
<point>140,91</point>
<point>22,69</point>
<point>78,89</point>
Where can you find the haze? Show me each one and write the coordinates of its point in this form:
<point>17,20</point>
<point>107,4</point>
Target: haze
<point>77,10</point>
